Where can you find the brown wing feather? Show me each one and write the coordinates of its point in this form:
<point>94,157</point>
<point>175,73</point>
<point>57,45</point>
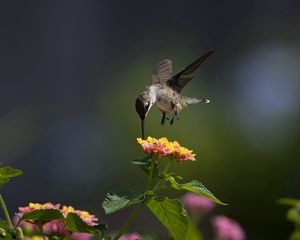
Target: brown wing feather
<point>182,78</point>
<point>163,71</point>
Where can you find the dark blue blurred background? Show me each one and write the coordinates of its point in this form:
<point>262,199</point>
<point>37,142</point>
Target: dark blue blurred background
<point>69,75</point>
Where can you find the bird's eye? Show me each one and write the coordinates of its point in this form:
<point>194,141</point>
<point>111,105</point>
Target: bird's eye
<point>146,106</point>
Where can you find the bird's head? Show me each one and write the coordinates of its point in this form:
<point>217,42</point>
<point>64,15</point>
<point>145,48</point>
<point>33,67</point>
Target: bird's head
<point>142,106</point>
<point>143,103</point>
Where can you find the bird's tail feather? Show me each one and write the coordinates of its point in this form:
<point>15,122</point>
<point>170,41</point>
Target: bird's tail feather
<point>185,101</point>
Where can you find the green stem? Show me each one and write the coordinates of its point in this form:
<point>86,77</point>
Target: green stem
<point>140,207</point>
<point>149,183</point>
<point>167,167</point>
<point>6,213</point>
<point>164,172</point>
<point>40,225</point>
<point>130,220</point>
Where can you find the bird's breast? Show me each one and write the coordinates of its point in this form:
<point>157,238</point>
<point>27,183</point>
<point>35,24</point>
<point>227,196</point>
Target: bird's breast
<point>166,100</point>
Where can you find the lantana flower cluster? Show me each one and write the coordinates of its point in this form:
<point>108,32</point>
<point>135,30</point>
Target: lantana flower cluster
<point>55,226</point>
<point>164,148</point>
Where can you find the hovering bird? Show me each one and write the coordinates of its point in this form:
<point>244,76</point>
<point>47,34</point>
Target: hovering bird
<point>165,90</point>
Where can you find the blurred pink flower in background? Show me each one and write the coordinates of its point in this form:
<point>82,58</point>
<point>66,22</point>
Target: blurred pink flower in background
<point>227,229</point>
<point>197,204</point>
<point>131,236</point>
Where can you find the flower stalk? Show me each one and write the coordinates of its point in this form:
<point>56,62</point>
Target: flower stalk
<point>142,204</point>
<point>146,200</point>
<point>150,174</point>
<point>130,220</point>
<point>4,208</point>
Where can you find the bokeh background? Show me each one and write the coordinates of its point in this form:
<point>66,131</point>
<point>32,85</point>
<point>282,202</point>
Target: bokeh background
<point>69,75</point>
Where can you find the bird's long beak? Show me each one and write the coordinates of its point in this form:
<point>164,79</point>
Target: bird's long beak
<point>142,125</point>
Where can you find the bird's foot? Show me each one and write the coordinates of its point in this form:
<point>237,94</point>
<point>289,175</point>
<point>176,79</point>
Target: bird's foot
<point>164,118</point>
<point>172,120</point>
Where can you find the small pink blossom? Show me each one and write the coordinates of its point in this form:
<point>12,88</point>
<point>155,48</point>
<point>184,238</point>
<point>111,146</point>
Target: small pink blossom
<point>27,226</point>
<point>197,204</point>
<point>227,229</point>
<point>131,236</point>
<point>55,226</point>
<point>81,236</point>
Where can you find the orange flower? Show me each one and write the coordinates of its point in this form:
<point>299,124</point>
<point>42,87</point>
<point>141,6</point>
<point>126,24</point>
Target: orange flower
<point>164,148</point>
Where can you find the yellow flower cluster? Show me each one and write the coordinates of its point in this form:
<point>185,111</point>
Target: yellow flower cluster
<point>165,148</point>
<point>37,206</point>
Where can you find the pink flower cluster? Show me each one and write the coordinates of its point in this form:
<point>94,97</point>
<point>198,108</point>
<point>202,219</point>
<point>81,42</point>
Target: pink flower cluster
<point>131,236</point>
<point>56,226</point>
<point>227,229</point>
<point>197,204</point>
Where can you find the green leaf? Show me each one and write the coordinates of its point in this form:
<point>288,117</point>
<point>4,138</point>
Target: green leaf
<point>295,235</point>
<point>142,161</point>
<point>75,224</point>
<point>147,168</point>
<point>193,233</point>
<point>195,187</point>
<point>115,201</point>
<point>3,181</point>
<point>4,225</point>
<point>293,215</point>
<point>43,215</point>
<point>6,173</point>
<point>171,213</point>
<point>145,164</point>
<point>6,234</point>
<point>101,227</point>
<point>289,202</point>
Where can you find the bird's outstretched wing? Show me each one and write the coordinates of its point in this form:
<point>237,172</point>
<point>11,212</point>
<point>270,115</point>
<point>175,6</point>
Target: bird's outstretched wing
<point>178,81</point>
<point>162,72</point>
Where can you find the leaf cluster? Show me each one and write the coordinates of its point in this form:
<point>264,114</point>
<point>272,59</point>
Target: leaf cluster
<point>6,173</point>
<point>170,212</point>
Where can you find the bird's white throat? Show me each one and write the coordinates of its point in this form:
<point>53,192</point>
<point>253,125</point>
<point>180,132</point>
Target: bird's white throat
<point>152,93</point>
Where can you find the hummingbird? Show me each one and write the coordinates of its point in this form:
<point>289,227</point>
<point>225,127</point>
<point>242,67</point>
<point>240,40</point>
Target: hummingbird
<point>165,90</point>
